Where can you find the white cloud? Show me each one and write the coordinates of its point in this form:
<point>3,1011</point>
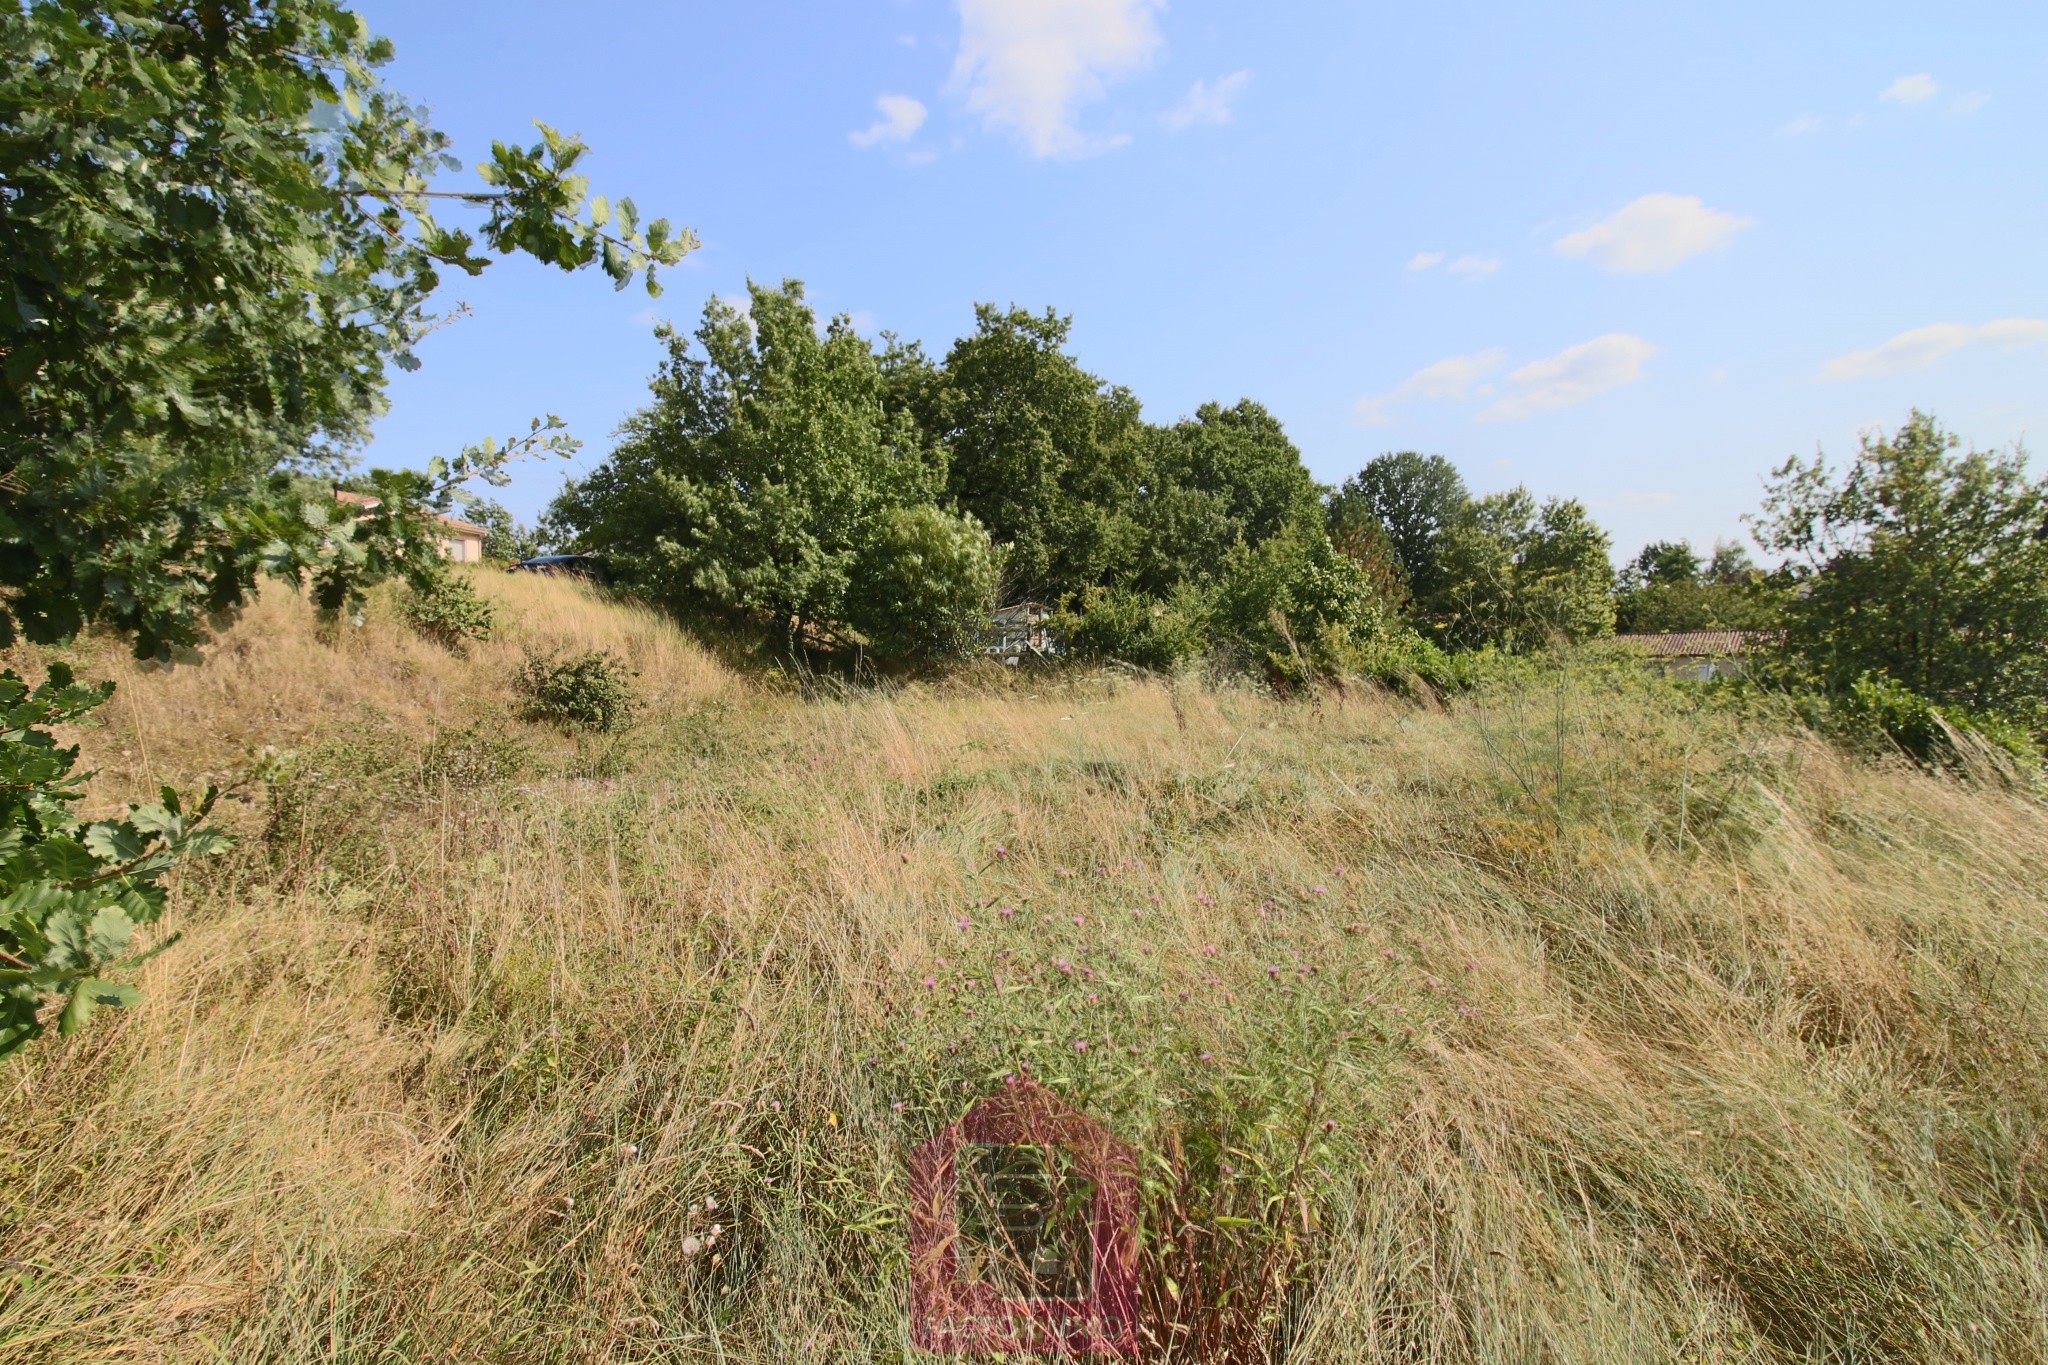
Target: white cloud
<point>1656,232</point>
<point>1027,66</point>
<point>1572,376</point>
<point>1452,377</point>
<point>1474,267</point>
<point>1805,123</point>
<point>1423,260</point>
<point>901,117</point>
<point>1206,103</point>
<point>1968,103</point>
<point>1911,89</point>
<point>1922,346</point>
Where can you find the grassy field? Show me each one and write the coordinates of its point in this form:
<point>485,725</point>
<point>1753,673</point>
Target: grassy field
<point>1575,1022</point>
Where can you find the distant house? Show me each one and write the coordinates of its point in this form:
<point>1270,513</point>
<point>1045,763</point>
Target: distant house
<point>460,541</point>
<point>1698,654</point>
<point>1020,630</point>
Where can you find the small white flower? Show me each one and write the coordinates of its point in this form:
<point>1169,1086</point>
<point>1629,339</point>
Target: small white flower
<point>691,1246</point>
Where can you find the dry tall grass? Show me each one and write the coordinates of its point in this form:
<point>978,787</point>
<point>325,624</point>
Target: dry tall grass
<point>1574,1023</point>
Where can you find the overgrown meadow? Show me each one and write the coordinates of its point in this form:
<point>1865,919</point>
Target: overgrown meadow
<point>1585,1019</point>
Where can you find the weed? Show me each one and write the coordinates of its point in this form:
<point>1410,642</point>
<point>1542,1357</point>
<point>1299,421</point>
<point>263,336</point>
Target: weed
<point>591,690</point>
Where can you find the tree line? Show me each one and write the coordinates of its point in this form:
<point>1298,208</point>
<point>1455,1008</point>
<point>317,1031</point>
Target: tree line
<point>878,498</point>
<point>875,498</point>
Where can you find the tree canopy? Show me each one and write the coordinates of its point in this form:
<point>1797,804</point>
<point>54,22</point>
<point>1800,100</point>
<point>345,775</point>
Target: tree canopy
<point>221,228</point>
<point>764,474</point>
<point>1042,453</point>
<point>1919,565</point>
<point>1410,498</point>
<point>1210,482</point>
<point>1514,574</point>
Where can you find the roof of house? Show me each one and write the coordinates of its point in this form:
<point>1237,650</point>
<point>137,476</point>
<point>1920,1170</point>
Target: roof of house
<point>448,523</point>
<point>1020,611</point>
<point>1695,644</point>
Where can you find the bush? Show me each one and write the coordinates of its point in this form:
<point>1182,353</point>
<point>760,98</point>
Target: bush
<point>1879,715</point>
<point>588,691</point>
<point>1396,658</point>
<point>926,585</point>
<point>1115,623</point>
<point>450,611</point>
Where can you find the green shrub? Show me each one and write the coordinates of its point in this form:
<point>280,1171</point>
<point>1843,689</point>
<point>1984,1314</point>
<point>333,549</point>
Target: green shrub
<point>451,612</point>
<point>588,691</point>
<point>1391,654</point>
<point>1116,623</point>
<point>926,584</point>
<point>1878,715</point>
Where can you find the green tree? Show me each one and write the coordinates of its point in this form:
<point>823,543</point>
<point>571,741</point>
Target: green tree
<point>73,893</point>
<point>219,231</point>
<point>1520,576</point>
<point>761,473</point>
<point>1412,499</point>
<point>1041,453</point>
<point>1208,482</point>
<point>1920,565</point>
<point>1663,562</point>
<point>1731,563</point>
<point>925,586</point>
<point>1292,602</point>
<point>1667,587</point>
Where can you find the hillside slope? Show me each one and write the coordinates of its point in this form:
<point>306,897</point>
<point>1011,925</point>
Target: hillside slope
<point>1576,1022</point>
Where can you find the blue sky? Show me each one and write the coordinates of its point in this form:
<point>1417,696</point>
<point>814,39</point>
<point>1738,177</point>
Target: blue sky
<point>1634,253</point>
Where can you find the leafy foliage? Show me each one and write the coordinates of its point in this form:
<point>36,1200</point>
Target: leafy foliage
<point>926,586</point>
<point>1297,608</point>
<point>1667,587</point>
<point>1919,565</point>
<point>761,472</point>
<point>448,610</point>
<point>1041,452</point>
<point>1224,476</point>
<point>1877,715</point>
<point>73,894</point>
<point>1135,628</point>
<point>220,232</point>
<point>591,690</point>
<point>1519,576</point>
<point>1411,500</point>
<point>506,539</point>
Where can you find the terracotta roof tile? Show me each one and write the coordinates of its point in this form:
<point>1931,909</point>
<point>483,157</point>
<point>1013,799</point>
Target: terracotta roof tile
<point>1685,644</point>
